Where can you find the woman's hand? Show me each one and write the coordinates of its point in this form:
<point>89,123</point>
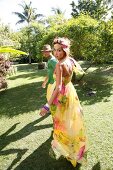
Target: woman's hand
<point>43,112</point>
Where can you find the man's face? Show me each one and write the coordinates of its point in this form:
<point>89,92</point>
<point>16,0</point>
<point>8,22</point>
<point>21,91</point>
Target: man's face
<point>46,53</point>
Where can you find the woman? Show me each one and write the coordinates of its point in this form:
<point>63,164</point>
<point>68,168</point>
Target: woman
<point>69,137</point>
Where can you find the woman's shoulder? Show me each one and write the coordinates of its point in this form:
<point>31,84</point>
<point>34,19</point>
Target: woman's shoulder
<point>73,61</point>
<point>69,61</point>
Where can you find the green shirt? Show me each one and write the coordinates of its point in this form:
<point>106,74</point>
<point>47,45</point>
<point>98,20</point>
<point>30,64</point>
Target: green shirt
<point>51,66</point>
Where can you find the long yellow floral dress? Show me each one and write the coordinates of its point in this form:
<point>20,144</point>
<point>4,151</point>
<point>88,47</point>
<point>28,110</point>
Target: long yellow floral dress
<point>69,138</point>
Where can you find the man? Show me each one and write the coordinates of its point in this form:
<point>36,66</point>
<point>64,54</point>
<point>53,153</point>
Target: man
<point>47,52</point>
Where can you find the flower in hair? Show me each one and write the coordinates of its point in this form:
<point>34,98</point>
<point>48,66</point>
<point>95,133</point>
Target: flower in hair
<point>64,42</point>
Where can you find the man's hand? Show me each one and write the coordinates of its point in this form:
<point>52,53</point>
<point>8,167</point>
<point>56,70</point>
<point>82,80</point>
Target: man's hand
<point>44,85</point>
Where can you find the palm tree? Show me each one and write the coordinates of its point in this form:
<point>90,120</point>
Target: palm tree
<point>57,11</point>
<point>28,15</point>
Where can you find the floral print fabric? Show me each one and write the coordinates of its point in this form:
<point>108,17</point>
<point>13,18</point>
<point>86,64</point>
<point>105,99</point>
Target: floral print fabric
<point>69,138</point>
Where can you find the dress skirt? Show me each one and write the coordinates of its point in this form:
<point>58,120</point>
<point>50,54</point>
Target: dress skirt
<point>69,136</point>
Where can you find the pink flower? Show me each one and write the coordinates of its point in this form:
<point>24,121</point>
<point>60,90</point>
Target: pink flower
<point>55,101</point>
<point>64,89</point>
<point>64,46</point>
<point>58,125</point>
<point>81,152</point>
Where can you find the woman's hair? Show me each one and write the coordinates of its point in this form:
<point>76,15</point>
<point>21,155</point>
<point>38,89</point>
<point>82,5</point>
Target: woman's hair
<point>64,42</point>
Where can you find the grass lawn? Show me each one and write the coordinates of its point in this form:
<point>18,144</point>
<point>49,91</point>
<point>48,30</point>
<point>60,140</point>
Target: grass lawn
<point>25,137</point>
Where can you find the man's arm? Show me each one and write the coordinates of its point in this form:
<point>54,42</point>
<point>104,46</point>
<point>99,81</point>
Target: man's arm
<point>45,82</point>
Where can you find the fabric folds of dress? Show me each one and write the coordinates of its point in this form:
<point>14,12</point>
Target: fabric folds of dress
<point>69,136</point>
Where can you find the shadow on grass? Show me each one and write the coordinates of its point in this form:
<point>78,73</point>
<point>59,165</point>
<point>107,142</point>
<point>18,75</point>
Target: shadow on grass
<point>22,99</point>
<point>31,97</point>
<point>28,76</point>
<point>30,73</point>
<point>7,138</point>
<point>19,152</point>
<point>28,67</point>
<point>41,160</point>
<point>98,81</point>
<point>96,166</point>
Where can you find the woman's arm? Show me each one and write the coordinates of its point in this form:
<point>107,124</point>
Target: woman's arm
<point>58,72</point>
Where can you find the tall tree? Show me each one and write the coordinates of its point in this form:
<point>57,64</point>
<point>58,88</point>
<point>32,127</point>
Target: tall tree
<point>5,36</point>
<point>56,19</point>
<point>28,15</point>
<point>97,9</point>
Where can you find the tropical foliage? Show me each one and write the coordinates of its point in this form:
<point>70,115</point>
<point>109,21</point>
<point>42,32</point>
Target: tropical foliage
<point>91,35</point>
<point>28,14</point>
<point>11,50</point>
<point>97,9</point>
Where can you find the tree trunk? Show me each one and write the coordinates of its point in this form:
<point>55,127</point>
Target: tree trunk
<point>29,59</point>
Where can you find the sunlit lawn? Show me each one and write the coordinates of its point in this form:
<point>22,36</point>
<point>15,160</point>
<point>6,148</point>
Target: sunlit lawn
<point>25,137</point>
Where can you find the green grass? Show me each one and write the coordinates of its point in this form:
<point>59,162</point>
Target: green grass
<point>25,137</point>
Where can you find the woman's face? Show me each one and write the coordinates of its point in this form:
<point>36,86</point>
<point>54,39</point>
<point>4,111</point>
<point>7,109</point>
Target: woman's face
<point>58,52</point>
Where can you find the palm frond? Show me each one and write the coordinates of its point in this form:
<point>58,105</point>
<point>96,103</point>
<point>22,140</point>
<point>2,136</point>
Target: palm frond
<point>20,15</point>
<point>11,50</point>
<point>20,21</point>
<point>29,14</point>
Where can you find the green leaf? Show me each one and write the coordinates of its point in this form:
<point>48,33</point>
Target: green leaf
<point>11,50</point>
